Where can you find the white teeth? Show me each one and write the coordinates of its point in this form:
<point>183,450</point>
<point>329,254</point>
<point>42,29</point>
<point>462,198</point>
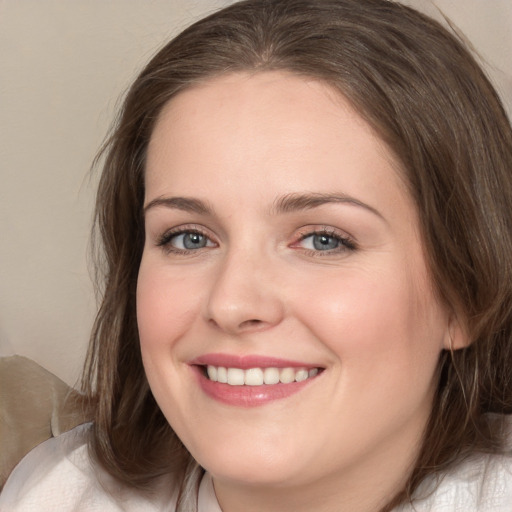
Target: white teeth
<point>212,372</point>
<point>222,375</point>
<point>301,375</point>
<point>258,376</point>
<point>236,377</point>
<point>287,375</point>
<point>271,376</point>
<point>254,377</point>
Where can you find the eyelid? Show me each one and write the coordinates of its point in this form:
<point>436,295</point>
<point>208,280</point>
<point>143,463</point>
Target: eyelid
<point>163,240</point>
<point>347,242</point>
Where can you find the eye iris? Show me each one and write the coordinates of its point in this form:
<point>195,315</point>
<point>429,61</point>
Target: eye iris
<point>194,241</point>
<point>325,242</point>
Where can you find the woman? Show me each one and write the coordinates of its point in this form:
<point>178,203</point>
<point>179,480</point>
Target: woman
<point>304,211</point>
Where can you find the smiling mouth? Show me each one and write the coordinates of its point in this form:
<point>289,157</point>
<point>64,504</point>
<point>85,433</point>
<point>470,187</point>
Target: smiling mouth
<point>258,376</point>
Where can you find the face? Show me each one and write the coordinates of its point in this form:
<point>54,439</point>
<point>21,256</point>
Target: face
<point>288,327</point>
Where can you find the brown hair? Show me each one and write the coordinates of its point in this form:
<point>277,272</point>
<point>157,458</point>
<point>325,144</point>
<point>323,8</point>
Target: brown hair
<point>422,91</point>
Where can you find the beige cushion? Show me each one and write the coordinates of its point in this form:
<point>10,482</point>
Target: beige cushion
<point>34,406</point>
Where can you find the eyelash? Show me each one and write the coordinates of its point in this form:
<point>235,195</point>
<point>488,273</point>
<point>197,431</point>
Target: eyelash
<point>346,243</point>
<point>165,239</point>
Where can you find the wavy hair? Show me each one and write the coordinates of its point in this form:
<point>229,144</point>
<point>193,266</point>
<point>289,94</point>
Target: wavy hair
<point>425,95</point>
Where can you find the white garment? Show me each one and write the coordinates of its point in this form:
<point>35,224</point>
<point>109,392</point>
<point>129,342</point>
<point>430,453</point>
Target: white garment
<point>58,476</point>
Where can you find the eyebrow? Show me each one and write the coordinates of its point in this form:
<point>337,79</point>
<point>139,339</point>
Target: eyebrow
<point>297,202</point>
<point>185,204</point>
<point>286,204</point>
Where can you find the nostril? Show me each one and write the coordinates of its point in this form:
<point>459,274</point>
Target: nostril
<point>242,327</point>
<point>251,323</point>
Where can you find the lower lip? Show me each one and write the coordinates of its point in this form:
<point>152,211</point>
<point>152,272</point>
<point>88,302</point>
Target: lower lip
<point>248,396</point>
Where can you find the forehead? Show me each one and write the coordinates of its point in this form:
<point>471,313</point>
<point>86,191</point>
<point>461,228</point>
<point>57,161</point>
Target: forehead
<point>271,126</point>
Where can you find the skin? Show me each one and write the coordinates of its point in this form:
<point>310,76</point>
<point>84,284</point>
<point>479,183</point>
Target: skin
<point>366,314</point>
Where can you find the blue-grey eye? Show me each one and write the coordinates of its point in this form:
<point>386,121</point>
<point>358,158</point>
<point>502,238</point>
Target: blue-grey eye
<point>321,242</point>
<point>189,241</point>
<point>325,242</point>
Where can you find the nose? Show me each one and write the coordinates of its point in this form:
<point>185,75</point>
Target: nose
<point>244,296</point>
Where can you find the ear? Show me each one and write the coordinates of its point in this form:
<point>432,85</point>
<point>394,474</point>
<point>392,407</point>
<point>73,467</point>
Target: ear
<point>457,336</point>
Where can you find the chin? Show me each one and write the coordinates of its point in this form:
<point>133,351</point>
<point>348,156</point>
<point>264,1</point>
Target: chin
<point>252,467</point>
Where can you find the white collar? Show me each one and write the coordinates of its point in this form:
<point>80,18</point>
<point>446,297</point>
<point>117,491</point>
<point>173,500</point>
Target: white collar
<point>206,500</point>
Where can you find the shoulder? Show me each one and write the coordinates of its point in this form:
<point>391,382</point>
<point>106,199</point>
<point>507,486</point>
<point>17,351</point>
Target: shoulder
<point>482,482</point>
<point>60,464</point>
<point>60,475</point>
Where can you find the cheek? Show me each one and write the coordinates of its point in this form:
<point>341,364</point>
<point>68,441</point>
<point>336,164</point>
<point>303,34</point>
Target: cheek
<point>386,338</point>
<point>166,306</point>
<point>379,323</point>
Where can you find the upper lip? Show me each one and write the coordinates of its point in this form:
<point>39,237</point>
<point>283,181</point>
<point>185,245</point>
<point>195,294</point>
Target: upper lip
<point>246,362</point>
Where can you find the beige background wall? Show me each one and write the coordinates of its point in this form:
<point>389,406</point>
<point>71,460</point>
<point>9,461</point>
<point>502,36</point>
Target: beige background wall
<point>63,66</point>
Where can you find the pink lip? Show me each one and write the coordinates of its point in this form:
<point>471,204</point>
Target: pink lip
<point>247,396</point>
<point>248,361</point>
